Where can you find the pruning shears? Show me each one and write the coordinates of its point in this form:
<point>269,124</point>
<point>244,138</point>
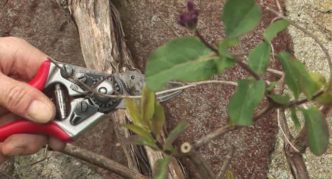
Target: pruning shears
<point>82,98</point>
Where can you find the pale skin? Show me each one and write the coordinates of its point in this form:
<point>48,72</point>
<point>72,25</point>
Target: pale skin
<point>19,62</point>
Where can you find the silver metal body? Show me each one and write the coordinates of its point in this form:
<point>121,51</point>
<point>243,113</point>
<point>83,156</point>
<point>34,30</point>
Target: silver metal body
<point>84,110</point>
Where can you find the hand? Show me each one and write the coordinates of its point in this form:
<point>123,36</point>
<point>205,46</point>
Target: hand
<point>19,62</point>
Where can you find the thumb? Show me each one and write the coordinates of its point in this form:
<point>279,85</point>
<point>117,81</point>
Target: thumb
<point>25,101</point>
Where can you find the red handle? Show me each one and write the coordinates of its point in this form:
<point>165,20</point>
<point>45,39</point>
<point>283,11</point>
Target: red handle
<point>25,126</point>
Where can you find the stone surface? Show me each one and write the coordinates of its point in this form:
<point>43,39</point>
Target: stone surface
<point>316,17</point>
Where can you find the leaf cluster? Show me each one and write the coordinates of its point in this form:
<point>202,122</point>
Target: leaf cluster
<point>191,59</point>
<point>148,121</point>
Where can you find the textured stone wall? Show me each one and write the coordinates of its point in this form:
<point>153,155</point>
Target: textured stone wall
<point>315,16</point>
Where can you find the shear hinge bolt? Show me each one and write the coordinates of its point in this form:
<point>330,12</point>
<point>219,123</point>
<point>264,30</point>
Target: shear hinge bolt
<point>83,106</point>
<point>67,71</point>
<point>102,90</point>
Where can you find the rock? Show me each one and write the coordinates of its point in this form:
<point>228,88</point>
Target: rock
<point>315,16</point>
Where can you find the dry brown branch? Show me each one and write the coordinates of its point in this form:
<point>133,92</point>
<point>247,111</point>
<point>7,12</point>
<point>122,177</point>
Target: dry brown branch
<point>100,50</point>
<point>102,162</point>
<point>200,164</point>
<point>294,158</point>
<point>226,163</point>
<point>103,47</point>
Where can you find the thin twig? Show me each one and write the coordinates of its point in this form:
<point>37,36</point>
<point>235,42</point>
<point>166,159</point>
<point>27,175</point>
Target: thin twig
<point>93,91</point>
<point>275,72</point>
<point>227,128</point>
<point>238,61</point>
<point>286,139</point>
<point>206,43</point>
<point>226,163</point>
<point>247,68</point>
<point>190,85</point>
<point>102,161</point>
<point>302,101</point>
<point>212,135</point>
<point>200,164</point>
<point>262,112</point>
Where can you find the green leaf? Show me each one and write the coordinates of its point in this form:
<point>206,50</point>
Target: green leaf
<point>148,100</point>
<point>186,59</point>
<point>224,63</point>
<point>296,76</point>
<point>226,60</point>
<point>259,58</point>
<point>325,98</point>
<point>317,131</point>
<point>161,168</point>
<point>243,103</point>
<point>273,29</point>
<point>280,99</point>
<point>240,17</point>
<point>225,44</point>
<point>295,118</point>
<point>141,132</point>
<point>138,140</point>
<point>271,86</point>
<point>134,112</point>
<point>158,119</point>
<point>318,78</point>
<point>229,174</point>
<point>172,136</point>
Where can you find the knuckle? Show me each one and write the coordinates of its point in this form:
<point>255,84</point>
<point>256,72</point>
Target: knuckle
<point>13,39</point>
<point>33,148</point>
<point>16,98</point>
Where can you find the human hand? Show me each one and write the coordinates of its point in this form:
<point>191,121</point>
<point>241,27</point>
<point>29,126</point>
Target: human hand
<point>19,62</point>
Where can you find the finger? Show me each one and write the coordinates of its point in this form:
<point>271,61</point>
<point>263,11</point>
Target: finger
<point>3,111</point>
<point>25,101</point>
<point>8,118</point>
<point>56,144</point>
<point>23,144</point>
<point>3,158</point>
<point>18,57</point>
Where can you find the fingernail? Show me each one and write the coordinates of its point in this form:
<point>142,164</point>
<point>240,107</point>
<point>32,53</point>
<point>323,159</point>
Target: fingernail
<point>40,112</point>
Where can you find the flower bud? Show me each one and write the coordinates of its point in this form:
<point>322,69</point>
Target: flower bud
<point>189,18</point>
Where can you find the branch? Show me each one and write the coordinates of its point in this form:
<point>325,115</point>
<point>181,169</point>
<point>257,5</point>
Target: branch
<point>200,164</point>
<point>238,61</point>
<point>212,135</point>
<point>206,43</point>
<point>226,163</point>
<point>294,157</point>
<point>227,128</point>
<point>247,68</point>
<point>103,49</point>
<point>302,101</point>
<point>102,162</point>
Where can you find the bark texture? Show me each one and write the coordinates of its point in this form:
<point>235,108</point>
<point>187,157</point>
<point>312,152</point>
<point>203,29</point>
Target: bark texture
<point>102,41</point>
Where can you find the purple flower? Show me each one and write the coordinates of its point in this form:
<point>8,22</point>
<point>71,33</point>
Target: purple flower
<point>190,5</point>
<point>189,18</point>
